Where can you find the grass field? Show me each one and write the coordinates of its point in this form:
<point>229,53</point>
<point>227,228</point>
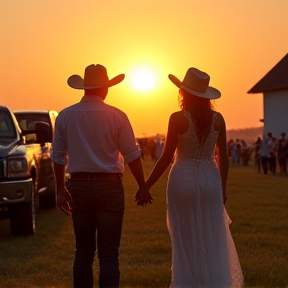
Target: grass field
<point>257,205</point>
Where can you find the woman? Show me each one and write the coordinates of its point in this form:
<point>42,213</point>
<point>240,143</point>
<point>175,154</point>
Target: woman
<point>203,251</point>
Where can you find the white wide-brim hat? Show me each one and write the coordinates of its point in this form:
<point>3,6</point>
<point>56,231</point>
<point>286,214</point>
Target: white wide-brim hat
<point>196,82</point>
<point>95,77</point>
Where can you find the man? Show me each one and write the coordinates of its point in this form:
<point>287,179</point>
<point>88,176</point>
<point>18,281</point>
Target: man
<point>272,157</point>
<point>264,153</point>
<point>94,137</point>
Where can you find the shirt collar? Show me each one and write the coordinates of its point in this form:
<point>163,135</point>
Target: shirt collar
<point>92,98</point>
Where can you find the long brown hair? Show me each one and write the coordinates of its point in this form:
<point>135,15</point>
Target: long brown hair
<point>200,110</point>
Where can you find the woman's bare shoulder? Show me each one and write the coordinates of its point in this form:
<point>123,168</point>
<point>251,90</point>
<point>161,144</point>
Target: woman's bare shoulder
<point>180,121</point>
<point>219,116</point>
<point>177,115</point>
<point>174,116</point>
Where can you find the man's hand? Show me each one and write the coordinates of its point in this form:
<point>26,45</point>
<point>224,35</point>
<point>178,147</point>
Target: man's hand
<point>64,201</point>
<point>143,196</point>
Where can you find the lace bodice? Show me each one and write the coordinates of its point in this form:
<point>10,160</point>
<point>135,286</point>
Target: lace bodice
<point>189,146</point>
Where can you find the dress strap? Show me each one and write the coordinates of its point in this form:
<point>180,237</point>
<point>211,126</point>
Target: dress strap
<point>188,116</point>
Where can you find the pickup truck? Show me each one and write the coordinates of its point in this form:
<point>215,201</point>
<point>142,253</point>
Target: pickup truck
<point>44,186</point>
<point>21,167</point>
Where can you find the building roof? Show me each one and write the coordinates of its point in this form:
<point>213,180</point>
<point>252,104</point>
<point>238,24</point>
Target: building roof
<point>275,79</point>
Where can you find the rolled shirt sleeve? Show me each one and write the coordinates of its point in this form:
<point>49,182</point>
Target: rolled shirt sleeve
<point>132,156</point>
<point>127,142</point>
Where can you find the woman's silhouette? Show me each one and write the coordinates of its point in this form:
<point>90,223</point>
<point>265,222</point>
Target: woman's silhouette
<point>203,251</point>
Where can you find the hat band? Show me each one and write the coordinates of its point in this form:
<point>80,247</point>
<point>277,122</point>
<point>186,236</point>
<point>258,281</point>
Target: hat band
<point>95,84</point>
<point>197,89</point>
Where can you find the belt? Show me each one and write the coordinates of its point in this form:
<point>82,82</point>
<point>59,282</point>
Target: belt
<point>96,176</point>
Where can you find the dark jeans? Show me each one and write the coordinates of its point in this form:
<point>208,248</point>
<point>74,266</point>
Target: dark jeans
<point>98,208</point>
<point>272,164</point>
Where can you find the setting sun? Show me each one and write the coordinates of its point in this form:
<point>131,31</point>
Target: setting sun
<point>143,80</point>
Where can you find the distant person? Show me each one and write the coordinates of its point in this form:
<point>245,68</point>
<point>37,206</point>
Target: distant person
<point>257,158</point>
<point>152,149</point>
<point>90,139</point>
<point>273,155</point>
<point>238,149</point>
<point>141,148</point>
<point>244,152</point>
<point>203,251</point>
<point>234,153</point>
<point>229,148</point>
<point>270,144</point>
<point>282,156</point>
<point>264,153</point>
<point>159,147</point>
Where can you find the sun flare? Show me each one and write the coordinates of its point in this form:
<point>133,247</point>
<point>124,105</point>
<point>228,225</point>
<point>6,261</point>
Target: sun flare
<point>143,80</point>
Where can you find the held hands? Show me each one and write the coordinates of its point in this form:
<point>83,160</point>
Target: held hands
<point>143,196</point>
<point>64,201</point>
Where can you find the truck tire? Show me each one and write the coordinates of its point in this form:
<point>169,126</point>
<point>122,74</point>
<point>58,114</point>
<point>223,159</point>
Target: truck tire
<point>22,219</point>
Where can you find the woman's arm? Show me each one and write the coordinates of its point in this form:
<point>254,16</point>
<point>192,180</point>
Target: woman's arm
<point>168,152</point>
<point>222,155</point>
<point>167,155</point>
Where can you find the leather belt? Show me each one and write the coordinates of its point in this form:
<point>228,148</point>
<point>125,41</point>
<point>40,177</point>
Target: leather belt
<point>96,176</point>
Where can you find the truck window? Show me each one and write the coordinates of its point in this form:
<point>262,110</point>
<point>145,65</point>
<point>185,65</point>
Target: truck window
<point>7,129</point>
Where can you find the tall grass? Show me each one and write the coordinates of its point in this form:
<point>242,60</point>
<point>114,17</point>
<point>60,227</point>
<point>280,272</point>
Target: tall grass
<point>257,205</point>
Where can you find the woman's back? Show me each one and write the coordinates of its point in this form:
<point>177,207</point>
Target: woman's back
<point>203,252</point>
<point>201,149</point>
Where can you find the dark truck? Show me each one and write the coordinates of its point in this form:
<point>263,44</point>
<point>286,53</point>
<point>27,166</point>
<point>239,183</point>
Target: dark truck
<point>44,185</point>
<point>25,171</point>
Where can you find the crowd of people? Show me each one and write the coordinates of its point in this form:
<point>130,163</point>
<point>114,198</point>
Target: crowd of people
<point>239,152</point>
<point>271,151</point>
<point>151,147</point>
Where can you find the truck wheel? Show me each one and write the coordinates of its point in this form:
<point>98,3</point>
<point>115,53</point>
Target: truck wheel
<point>22,219</point>
<point>47,201</point>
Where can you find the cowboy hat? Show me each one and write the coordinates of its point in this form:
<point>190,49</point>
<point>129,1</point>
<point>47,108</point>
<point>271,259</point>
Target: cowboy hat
<point>95,77</point>
<point>196,82</point>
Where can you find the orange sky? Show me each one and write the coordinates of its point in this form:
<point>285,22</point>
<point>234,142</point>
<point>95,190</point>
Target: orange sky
<point>235,41</point>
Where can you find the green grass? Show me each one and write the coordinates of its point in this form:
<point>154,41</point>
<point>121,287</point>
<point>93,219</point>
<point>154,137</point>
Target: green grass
<point>257,205</point>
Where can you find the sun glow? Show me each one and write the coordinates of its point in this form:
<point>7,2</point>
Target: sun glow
<point>143,80</point>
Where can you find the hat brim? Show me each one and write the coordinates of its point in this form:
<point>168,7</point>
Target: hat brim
<point>77,82</point>
<point>210,93</point>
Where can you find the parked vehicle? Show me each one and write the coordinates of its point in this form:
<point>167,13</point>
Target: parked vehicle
<point>44,184</point>
<point>18,172</point>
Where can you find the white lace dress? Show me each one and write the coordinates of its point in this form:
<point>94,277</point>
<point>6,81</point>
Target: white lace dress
<point>203,251</point>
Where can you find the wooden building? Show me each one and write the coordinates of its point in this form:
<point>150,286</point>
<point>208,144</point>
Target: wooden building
<point>274,86</point>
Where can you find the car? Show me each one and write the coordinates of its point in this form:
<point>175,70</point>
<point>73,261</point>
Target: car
<point>44,185</point>
<point>18,165</point>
